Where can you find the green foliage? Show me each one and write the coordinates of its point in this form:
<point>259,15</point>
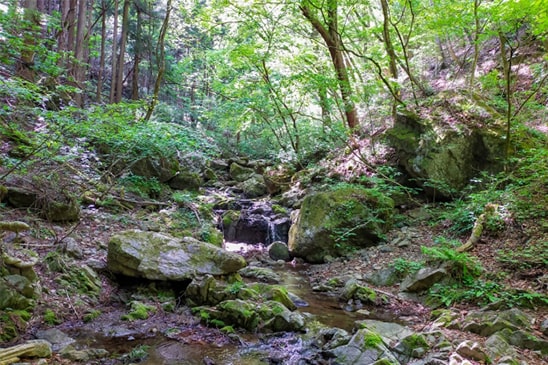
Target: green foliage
<point>144,187</point>
<point>138,310</point>
<point>91,315</point>
<point>50,317</point>
<point>136,355</point>
<point>461,265</point>
<point>527,257</point>
<point>235,287</point>
<point>484,293</point>
<point>405,267</point>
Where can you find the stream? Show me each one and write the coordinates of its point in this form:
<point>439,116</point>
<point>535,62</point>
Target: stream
<point>194,345</point>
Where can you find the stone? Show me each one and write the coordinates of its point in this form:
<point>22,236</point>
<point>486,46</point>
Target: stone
<point>72,248</point>
<point>423,279</point>
<point>389,331</point>
<point>525,340</point>
<point>253,187</point>
<point>383,277</point>
<point>472,350</point>
<point>322,224</point>
<point>161,168</point>
<point>278,251</point>
<point>21,198</point>
<point>485,323</point>
<point>263,274</point>
<point>497,347</point>
<point>85,355</point>
<point>241,173</point>
<point>158,256</point>
<point>365,347</point>
<point>65,210</point>
<point>544,327</point>
<point>445,146</point>
<point>185,180</point>
<point>58,339</point>
<point>353,290</point>
<point>29,349</point>
<point>16,292</point>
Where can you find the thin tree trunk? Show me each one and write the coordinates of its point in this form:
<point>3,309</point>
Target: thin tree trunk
<point>102,52</point>
<point>330,34</point>
<point>477,29</point>
<point>79,47</point>
<point>137,58</point>
<point>161,63</point>
<point>31,15</point>
<point>114,76</point>
<point>391,53</point>
<point>122,54</point>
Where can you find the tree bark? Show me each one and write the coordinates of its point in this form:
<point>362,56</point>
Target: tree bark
<point>114,72</point>
<point>161,63</point>
<point>330,35</point>
<point>31,25</point>
<point>122,54</point>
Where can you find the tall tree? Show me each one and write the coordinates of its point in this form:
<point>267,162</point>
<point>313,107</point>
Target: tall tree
<point>30,29</point>
<point>324,19</point>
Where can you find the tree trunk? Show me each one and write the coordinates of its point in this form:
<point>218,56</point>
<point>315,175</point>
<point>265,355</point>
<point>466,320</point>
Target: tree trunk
<point>137,58</point>
<point>78,67</point>
<point>114,72</point>
<point>122,54</point>
<point>390,51</point>
<point>31,26</point>
<point>102,52</point>
<point>330,35</point>
<point>161,62</point>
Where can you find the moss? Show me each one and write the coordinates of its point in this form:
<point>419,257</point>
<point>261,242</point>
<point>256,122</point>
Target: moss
<point>415,341</point>
<point>91,315</point>
<point>278,209</point>
<point>365,294</point>
<point>139,310</point>
<point>50,317</point>
<point>371,340</point>
<point>230,217</point>
<point>12,323</point>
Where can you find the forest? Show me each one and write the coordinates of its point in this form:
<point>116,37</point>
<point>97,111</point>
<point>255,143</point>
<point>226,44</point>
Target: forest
<point>274,182</point>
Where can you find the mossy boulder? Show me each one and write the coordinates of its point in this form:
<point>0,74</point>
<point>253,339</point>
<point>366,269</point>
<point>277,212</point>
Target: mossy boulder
<point>365,347</point>
<point>449,141</point>
<point>66,209</point>
<point>158,256</point>
<point>186,180</point>
<point>16,292</point>
<point>254,186</point>
<point>241,173</point>
<point>161,168</point>
<point>335,222</point>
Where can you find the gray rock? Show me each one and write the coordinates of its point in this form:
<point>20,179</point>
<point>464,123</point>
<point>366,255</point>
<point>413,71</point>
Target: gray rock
<point>497,347</point>
<point>21,198</point>
<point>58,339</point>
<point>525,340</point>
<point>472,350</point>
<point>158,256</point>
<point>253,187</point>
<point>423,279</point>
<point>278,251</point>
<point>16,292</point>
<point>485,323</point>
<point>241,173</point>
<point>365,347</point>
<point>32,348</point>
<point>383,277</point>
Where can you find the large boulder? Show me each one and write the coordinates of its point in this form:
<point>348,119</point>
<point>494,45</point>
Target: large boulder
<point>161,168</point>
<point>334,222</point>
<point>449,142</point>
<point>158,256</point>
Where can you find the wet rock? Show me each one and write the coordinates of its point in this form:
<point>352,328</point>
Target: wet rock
<point>472,350</point>
<point>85,355</point>
<point>263,274</point>
<point>485,323</point>
<point>29,349</point>
<point>58,339</point>
<point>203,291</point>
<point>330,338</point>
<point>389,331</point>
<point>365,347</point>
<point>324,219</point>
<point>423,279</point>
<point>253,187</point>
<point>278,251</point>
<point>157,256</point>
<point>353,290</point>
